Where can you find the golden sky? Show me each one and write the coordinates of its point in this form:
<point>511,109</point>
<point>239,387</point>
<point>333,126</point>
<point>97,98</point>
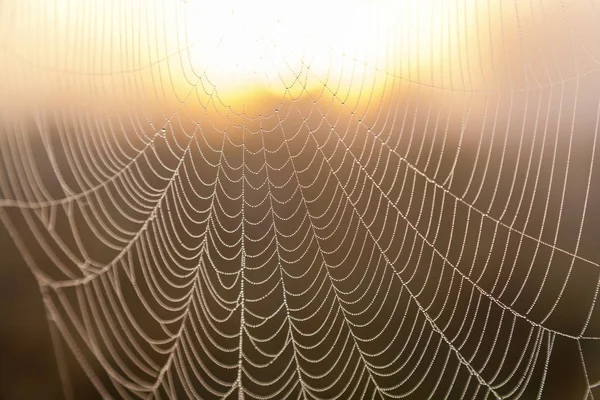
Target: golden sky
<point>229,52</point>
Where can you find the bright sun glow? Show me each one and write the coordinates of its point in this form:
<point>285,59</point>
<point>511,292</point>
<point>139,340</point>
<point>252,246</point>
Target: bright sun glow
<point>292,47</point>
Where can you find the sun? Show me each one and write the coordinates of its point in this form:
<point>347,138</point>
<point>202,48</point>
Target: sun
<point>237,47</point>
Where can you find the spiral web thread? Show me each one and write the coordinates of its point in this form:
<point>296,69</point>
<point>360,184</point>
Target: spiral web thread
<point>433,239</point>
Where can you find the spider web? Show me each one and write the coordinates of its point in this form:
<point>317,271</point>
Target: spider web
<point>414,232</point>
